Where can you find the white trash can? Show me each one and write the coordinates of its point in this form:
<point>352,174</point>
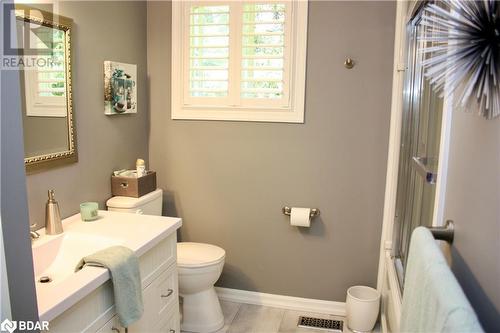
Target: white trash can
<point>362,307</point>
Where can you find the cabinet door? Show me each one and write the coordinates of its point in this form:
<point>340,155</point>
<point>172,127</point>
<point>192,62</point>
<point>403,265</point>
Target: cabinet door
<point>112,326</point>
<point>160,299</point>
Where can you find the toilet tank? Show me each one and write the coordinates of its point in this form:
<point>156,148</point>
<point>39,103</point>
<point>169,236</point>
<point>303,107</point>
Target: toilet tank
<point>148,204</point>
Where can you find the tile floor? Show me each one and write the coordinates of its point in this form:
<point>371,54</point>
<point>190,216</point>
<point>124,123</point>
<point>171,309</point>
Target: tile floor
<point>246,318</point>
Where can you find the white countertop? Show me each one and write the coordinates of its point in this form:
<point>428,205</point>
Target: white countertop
<point>140,233</point>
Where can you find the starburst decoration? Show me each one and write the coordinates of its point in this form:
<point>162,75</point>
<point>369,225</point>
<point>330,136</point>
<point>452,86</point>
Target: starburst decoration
<point>464,53</point>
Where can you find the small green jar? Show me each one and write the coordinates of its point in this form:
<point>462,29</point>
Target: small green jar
<point>89,211</point>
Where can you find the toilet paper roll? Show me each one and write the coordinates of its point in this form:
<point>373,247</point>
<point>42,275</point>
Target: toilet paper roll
<point>300,217</point>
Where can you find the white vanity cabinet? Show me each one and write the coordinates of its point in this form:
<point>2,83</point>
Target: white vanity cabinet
<point>96,311</point>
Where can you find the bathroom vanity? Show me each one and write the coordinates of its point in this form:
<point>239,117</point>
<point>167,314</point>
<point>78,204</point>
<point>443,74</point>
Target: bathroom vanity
<point>83,301</point>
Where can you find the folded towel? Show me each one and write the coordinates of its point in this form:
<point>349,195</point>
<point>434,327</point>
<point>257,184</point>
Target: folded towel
<point>433,301</point>
<point>123,267</point>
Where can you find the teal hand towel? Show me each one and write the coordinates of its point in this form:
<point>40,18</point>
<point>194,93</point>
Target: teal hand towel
<point>123,266</point>
<point>433,301</point>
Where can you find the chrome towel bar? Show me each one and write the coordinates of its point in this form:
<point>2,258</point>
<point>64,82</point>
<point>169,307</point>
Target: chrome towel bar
<point>288,210</point>
<point>444,233</point>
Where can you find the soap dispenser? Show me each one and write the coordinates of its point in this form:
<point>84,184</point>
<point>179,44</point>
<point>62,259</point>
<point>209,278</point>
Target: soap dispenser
<point>53,223</point>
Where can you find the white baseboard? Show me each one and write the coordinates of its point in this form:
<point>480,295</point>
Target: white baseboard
<point>280,301</point>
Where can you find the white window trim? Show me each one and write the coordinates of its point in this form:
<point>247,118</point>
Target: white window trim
<point>292,113</point>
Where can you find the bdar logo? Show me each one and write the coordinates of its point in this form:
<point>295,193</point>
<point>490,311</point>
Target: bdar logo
<point>8,325</point>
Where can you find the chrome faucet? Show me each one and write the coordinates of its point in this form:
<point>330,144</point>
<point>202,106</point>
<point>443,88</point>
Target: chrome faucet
<point>33,234</point>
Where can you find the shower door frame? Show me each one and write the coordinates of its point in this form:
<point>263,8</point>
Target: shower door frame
<point>388,283</point>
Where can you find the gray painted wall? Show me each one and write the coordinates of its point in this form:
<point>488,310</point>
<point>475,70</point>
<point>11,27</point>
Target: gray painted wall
<point>103,30</point>
<point>13,204</point>
<point>37,142</point>
<point>472,201</point>
<point>229,180</point>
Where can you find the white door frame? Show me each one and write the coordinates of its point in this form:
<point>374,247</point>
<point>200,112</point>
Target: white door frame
<point>387,281</point>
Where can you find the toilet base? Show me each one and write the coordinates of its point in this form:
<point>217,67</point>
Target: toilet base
<point>201,312</point>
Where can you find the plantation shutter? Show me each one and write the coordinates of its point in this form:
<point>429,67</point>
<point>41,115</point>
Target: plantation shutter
<point>45,85</point>
<point>51,81</point>
<point>263,51</point>
<point>239,60</point>
<point>209,51</point>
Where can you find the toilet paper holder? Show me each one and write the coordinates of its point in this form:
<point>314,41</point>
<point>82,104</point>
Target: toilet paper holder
<point>288,210</point>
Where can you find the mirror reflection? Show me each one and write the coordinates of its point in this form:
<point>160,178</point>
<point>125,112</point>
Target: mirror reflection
<point>46,84</point>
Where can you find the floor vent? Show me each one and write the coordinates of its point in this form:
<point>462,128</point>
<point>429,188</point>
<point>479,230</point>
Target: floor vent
<point>321,324</point>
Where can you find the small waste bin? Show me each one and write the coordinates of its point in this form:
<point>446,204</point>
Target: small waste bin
<point>362,307</point>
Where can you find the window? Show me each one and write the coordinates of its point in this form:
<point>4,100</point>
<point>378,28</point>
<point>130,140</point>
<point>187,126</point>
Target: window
<point>237,60</point>
<point>46,86</point>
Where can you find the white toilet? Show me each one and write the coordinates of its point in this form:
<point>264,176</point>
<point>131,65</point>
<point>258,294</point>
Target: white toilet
<point>199,267</point>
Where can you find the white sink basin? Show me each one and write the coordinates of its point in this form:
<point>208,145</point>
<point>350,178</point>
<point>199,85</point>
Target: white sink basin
<point>57,256</point>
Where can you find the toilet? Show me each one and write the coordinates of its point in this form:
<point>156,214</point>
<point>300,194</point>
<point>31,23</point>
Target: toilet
<point>199,266</point>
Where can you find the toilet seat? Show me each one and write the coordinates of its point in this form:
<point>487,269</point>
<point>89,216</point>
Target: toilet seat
<point>197,255</point>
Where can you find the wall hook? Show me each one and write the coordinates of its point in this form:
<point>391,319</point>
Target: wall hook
<point>349,63</point>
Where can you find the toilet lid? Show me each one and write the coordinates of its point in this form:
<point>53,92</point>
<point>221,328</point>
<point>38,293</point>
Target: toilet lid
<point>198,254</point>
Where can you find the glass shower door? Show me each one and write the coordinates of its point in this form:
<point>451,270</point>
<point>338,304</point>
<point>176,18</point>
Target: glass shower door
<point>419,151</point>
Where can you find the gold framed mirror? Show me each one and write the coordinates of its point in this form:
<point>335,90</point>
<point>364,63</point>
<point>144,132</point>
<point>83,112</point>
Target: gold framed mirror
<point>46,88</point>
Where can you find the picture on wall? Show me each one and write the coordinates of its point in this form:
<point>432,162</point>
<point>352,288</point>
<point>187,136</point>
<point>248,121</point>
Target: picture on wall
<point>120,88</point>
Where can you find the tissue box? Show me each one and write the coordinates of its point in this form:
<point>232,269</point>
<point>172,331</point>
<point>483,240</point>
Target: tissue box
<point>133,186</point>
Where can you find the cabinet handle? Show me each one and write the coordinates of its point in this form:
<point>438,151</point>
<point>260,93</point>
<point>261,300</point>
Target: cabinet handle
<point>114,329</point>
<point>172,331</point>
<point>169,292</point>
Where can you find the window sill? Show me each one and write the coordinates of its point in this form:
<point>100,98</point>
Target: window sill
<point>263,115</point>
